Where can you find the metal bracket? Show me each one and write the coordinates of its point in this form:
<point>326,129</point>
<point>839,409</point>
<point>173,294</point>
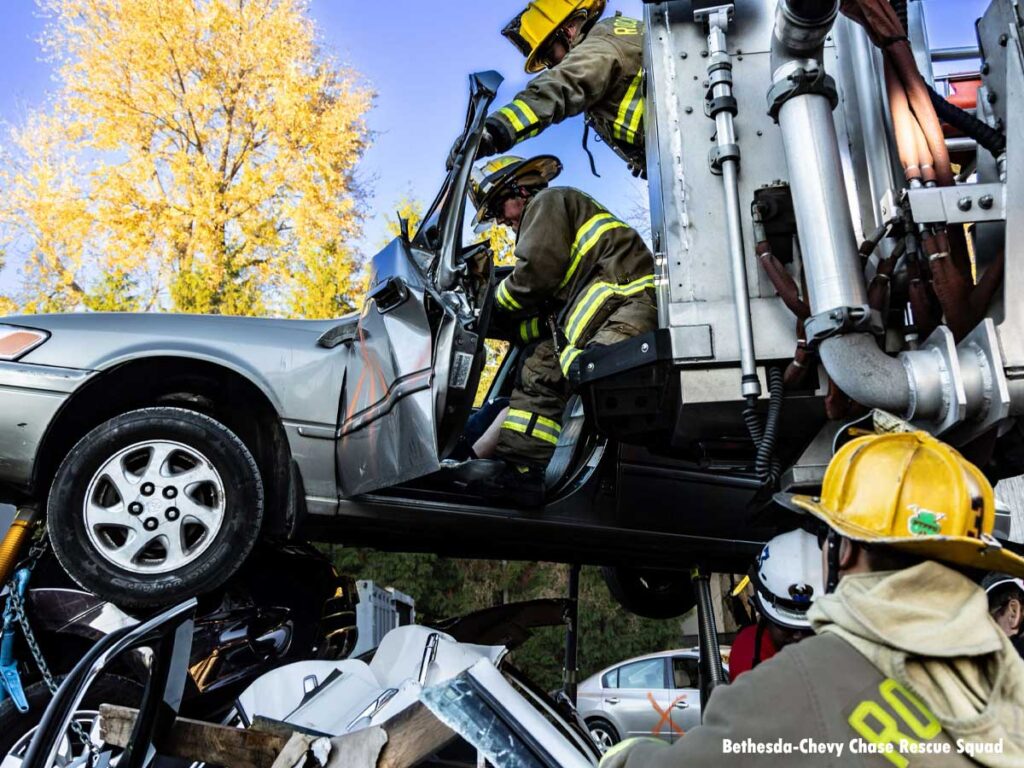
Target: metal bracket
<point>716,104</point>
<point>938,383</point>
<point>842,320</point>
<point>800,82</point>
<point>980,353</point>
<point>719,155</point>
<point>962,204</point>
<point>704,9</point>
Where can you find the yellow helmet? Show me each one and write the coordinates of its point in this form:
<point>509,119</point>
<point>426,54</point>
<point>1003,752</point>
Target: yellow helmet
<point>914,493</point>
<point>533,29</point>
<point>491,177</point>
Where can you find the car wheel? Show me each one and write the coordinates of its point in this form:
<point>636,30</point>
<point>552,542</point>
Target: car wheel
<point>650,593</point>
<point>155,506</point>
<point>17,729</point>
<point>602,732</point>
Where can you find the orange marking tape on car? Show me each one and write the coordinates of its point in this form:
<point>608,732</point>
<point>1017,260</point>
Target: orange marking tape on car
<point>666,714</point>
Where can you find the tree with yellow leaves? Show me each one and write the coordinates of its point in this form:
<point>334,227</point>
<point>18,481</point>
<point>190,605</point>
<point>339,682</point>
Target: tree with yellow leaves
<point>199,156</point>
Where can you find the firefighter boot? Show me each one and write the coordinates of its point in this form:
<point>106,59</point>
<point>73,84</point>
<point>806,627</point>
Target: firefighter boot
<point>514,484</point>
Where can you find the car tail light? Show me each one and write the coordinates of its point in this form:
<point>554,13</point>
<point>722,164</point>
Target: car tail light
<point>15,342</point>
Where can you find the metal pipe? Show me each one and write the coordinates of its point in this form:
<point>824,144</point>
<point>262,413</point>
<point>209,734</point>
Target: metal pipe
<point>570,670</point>
<point>965,53</point>
<point>866,373</point>
<point>962,145</point>
<point>831,261</point>
<point>718,22</point>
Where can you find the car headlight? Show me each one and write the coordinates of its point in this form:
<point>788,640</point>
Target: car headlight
<point>15,341</point>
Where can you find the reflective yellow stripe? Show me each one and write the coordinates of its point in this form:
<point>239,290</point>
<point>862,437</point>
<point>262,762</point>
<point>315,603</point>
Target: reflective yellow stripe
<point>565,360</point>
<point>529,329</point>
<point>586,238</point>
<point>631,110</point>
<point>513,118</point>
<point>543,428</point>
<point>523,119</point>
<point>529,114</point>
<point>505,298</point>
<point>594,298</point>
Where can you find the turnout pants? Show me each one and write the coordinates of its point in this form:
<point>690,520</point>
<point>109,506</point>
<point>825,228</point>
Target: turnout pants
<point>530,432</point>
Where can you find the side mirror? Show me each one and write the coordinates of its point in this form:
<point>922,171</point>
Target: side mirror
<point>389,294</point>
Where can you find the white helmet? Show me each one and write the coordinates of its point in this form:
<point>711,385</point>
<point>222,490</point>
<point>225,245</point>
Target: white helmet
<point>787,577</point>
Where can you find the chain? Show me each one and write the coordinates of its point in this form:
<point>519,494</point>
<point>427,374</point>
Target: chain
<point>17,603</point>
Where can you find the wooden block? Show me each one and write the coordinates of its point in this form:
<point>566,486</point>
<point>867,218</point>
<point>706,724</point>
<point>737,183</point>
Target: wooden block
<point>198,741</point>
<point>413,735</point>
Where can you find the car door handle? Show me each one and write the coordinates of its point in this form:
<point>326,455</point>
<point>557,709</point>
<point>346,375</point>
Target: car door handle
<point>611,701</point>
<point>682,705</point>
<point>389,294</point>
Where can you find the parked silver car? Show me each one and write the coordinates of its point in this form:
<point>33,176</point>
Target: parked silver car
<point>653,695</point>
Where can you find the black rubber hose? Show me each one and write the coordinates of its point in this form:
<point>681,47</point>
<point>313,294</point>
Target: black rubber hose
<point>986,136</point>
<point>766,465</point>
<point>753,421</point>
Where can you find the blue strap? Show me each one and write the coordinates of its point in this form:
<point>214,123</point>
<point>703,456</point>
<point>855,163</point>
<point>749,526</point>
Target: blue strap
<point>10,678</point>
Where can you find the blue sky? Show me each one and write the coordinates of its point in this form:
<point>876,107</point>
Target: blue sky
<point>416,55</point>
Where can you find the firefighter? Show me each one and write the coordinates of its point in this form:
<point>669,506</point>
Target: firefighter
<point>1006,604</point>
<point>906,667</point>
<point>786,578</point>
<point>582,278</point>
<point>591,66</point>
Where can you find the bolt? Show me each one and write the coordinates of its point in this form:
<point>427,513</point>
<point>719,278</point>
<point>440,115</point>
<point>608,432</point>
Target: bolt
<point>964,204</point>
<point>992,97</point>
<point>590,366</point>
<point>689,110</point>
<point>685,55</point>
<point>986,202</point>
<point>986,68</point>
<point>150,523</point>
<point>1004,39</point>
<point>172,513</point>
<point>703,54</point>
<point>760,133</point>
<point>170,492</point>
<point>135,508</point>
<point>645,348</point>
<point>147,489</point>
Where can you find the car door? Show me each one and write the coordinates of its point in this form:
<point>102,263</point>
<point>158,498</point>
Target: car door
<point>411,353</point>
<point>685,699</point>
<point>641,700</point>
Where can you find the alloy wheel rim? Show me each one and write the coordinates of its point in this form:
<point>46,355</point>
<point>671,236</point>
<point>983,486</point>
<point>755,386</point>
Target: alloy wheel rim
<point>69,752</point>
<point>601,737</point>
<point>154,507</point>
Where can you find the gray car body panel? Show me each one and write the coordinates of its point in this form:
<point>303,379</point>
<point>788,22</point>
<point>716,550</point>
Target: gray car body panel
<point>31,396</point>
<point>358,406</point>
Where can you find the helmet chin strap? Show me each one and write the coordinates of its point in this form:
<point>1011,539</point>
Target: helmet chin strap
<point>832,562</point>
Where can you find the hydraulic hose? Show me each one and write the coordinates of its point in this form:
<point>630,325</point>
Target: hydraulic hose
<point>766,465</point>
<point>986,136</point>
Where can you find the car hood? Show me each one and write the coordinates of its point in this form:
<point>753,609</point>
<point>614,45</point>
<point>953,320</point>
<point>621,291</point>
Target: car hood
<point>94,341</point>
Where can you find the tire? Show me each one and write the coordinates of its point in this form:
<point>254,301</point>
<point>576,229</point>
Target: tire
<point>650,593</point>
<point>603,733</point>
<point>155,506</point>
<point>16,729</point>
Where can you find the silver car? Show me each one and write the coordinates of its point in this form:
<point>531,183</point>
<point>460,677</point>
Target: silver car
<point>653,695</point>
<point>162,447</point>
